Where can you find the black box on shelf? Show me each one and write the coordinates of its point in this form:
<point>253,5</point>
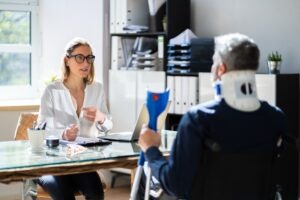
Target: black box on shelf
<point>156,20</point>
<point>202,50</point>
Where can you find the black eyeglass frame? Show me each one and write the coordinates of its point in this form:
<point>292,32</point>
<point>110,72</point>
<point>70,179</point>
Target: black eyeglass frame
<point>78,58</point>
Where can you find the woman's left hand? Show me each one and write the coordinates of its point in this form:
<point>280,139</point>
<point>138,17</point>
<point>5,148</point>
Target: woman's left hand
<point>93,114</point>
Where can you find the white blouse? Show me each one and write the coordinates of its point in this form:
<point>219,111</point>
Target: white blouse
<point>58,110</point>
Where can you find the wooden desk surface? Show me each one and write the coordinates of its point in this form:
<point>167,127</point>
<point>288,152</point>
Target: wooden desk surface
<point>19,174</point>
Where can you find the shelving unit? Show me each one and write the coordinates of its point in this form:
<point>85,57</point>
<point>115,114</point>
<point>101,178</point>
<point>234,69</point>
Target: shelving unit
<point>176,14</point>
<point>126,82</point>
<point>146,34</point>
<point>127,87</point>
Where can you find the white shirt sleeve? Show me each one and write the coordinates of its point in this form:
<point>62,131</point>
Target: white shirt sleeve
<point>46,113</point>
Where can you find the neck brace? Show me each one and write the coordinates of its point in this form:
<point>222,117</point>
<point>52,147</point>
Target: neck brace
<point>238,88</point>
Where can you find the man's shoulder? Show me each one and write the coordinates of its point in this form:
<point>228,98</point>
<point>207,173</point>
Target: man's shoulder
<point>274,112</point>
<point>206,107</point>
<point>203,110</point>
<point>271,108</point>
<point>199,115</point>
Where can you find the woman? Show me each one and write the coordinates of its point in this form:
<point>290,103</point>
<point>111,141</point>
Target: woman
<point>75,106</point>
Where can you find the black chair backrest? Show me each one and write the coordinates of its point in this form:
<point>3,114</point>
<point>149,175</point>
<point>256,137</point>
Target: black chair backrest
<point>234,176</point>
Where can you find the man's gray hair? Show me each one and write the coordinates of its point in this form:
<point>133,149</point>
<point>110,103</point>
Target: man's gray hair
<point>236,51</point>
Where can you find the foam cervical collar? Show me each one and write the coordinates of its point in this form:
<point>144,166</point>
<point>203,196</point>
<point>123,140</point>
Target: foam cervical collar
<point>238,88</point>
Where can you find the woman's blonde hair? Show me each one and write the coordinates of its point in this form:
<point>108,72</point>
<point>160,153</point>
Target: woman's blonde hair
<point>70,47</point>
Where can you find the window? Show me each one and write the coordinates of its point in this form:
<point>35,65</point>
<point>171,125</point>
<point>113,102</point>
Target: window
<point>19,52</point>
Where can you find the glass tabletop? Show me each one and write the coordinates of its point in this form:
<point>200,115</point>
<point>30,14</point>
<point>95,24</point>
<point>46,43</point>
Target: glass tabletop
<point>18,154</point>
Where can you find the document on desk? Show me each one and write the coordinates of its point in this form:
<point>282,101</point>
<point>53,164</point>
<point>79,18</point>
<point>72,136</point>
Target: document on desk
<point>85,141</point>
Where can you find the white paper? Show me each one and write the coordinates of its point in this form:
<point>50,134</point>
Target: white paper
<point>80,140</point>
<point>183,38</point>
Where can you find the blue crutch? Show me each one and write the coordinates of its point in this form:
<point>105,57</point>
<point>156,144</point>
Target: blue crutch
<point>156,103</point>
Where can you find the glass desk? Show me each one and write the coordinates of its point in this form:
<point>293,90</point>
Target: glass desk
<point>17,162</point>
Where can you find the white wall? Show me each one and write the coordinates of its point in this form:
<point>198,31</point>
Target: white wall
<point>62,20</point>
<point>273,24</point>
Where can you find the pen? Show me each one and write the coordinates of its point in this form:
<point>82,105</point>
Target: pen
<point>40,126</point>
<point>44,124</point>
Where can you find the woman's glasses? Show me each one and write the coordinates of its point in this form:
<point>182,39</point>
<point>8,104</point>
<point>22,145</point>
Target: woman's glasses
<point>80,58</point>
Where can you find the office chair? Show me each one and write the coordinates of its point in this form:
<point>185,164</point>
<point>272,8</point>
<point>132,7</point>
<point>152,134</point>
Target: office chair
<point>235,175</point>
<point>26,121</point>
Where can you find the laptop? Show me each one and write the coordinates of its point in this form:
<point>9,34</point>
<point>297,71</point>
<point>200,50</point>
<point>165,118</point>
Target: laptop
<point>143,118</point>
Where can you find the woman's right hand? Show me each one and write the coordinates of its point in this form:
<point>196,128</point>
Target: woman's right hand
<point>70,133</point>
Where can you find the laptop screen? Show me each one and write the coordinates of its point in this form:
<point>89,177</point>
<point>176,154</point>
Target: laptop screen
<point>143,118</point>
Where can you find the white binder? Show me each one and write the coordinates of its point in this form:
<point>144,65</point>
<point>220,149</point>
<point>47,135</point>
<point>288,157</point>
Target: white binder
<point>184,94</point>
<point>112,16</point>
<point>206,91</point>
<point>121,15</point>
<point>117,59</point>
<point>171,86</point>
<point>178,89</point>
<point>127,12</point>
<point>192,91</point>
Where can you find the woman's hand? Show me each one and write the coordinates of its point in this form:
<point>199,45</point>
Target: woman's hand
<point>93,114</point>
<point>70,133</point>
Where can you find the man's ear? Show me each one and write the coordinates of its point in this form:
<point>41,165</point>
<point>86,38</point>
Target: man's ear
<point>222,69</point>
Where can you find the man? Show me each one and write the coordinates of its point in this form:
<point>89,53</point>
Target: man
<point>236,119</point>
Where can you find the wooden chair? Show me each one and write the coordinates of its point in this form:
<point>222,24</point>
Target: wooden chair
<point>26,121</point>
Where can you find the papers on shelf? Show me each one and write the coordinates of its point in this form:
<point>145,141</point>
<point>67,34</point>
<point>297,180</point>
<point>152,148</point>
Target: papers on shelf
<point>154,5</point>
<point>183,38</point>
<point>135,28</point>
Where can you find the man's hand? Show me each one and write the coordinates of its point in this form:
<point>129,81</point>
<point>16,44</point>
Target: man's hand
<point>70,133</point>
<point>93,114</point>
<point>149,138</point>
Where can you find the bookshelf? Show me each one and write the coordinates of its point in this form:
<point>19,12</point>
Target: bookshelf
<point>127,80</point>
<point>176,14</point>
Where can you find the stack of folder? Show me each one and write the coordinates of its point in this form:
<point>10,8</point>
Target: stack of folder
<point>144,61</point>
<point>130,53</point>
<point>144,54</point>
<point>179,58</point>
